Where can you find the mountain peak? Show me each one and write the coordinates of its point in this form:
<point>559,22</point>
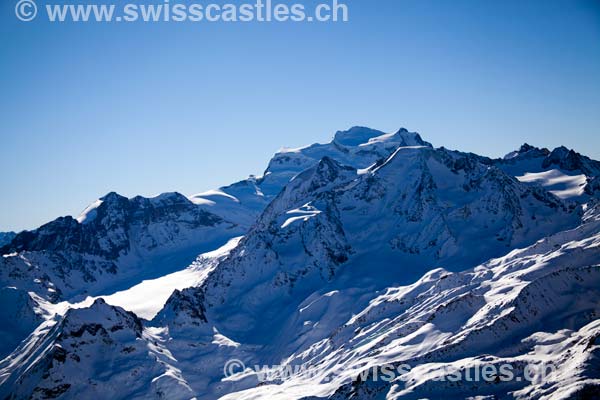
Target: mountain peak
<point>167,198</point>
<point>526,147</point>
<point>112,197</point>
<point>328,162</point>
<point>327,171</point>
<point>340,253</point>
<point>411,138</point>
<point>528,151</point>
<point>356,136</point>
<point>570,160</point>
<point>360,136</point>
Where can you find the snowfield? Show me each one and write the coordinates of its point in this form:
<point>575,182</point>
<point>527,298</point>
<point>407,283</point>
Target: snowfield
<point>147,298</point>
<point>558,183</point>
<point>345,260</point>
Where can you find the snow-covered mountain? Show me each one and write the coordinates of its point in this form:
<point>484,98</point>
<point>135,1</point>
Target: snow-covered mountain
<point>116,243</point>
<point>565,173</point>
<point>116,240</point>
<point>358,147</point>
<point>369,252</point>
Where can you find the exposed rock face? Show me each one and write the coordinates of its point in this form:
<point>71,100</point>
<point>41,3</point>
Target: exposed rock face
<point>110,229</point>
<point>109,242</point>
<point>374,250</point>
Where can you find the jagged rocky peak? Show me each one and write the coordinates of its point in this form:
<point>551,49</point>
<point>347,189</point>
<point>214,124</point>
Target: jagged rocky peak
<point>324,275</point>
<point>327,170</point>
<point>326,174</point>
<point>561,157</point>
<point>443,192</point>
<point>570,160</point>
<point>562,171</point>
<point>114,239</point>
<point>323,173</point>
<point>527,151</point>
<point>114,206</point>
<point>357,147</point>
<point>184,309</point>
<point>54,235</point>
<point>406,138</point>
<point>111,201</point>
<point>84,350</point>
<point>100,318</point>
<point>104,228</point>
<point>527,148</point>
<point>163,199</point>
<point>114,198</point>
<point>412,138</point>
<point>67,234</point>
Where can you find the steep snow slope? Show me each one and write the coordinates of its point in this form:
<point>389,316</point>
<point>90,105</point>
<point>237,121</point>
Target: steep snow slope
<point>96,334</point>
<point>117,242</point>
<point>536,305</point>
<point>18,318</point>
<point>86,350</point>
<point>420,208</point>
<point>323,279</point>
<point>105,246</point>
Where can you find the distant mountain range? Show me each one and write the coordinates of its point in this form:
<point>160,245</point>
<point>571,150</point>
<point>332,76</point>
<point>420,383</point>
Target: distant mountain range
<point>371,251</point>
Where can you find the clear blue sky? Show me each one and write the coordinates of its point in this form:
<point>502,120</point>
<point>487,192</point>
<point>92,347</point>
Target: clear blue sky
<point>147,108</point>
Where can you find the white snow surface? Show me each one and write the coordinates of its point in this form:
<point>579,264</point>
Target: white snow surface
<point>303,214</point>
<point>147,298</point>
<point>372,250</point>
<point>441,323</point>
<point>557,182</point>
<point>89,213</point>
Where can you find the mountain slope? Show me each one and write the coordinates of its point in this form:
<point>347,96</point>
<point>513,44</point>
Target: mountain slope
<point>490,315</point>
<point>6,237</point>
<point>374,250</point>
<point>397,220</point>
<point>358,147</point>
<point>565,173</point>
<point>115,242</point>
<point>535,305</point>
